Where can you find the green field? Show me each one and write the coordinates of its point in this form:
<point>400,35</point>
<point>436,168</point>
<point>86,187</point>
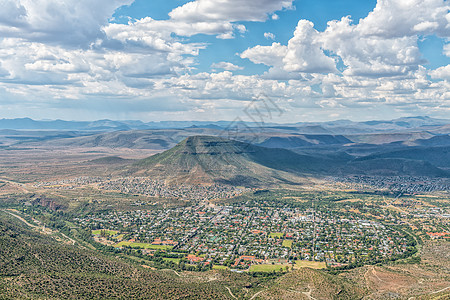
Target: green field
<point>119,237</point>
<point>287,243</point>
<point>276,235</point>
<point>310,264</point>
<point>143,246</point>
<point>174,260</point>
<point>107,231</point>
<point>216,267</point>
<point>268,268</point>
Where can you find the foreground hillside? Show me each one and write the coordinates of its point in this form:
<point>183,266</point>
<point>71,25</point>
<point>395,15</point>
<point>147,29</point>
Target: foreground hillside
<point>35,266</point>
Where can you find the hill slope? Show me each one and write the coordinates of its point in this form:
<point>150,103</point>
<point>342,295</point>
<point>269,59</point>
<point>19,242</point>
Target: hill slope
<point>437,156</point>
<point>208,159</point>
<point>296,141</point>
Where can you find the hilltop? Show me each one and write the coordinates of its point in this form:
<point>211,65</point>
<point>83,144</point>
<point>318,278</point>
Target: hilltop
<point>206,159</point>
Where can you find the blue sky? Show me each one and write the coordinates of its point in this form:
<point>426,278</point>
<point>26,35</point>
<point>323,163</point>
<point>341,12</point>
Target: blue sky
<point>208,59</point>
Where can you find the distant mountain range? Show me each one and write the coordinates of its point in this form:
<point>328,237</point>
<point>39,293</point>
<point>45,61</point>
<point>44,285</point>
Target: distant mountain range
<point>332,127</point>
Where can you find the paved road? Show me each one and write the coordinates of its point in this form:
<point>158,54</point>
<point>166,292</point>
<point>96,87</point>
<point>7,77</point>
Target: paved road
<point>231,292</point>
<point>21,185</point>
<point>8,211</point>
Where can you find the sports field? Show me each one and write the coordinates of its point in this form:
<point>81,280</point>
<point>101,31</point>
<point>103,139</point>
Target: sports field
<point>276,235</point>
<point>287,243</point>
<point>143,245</point>
<point>174,260</point>
<point>107,231</point>
<point>268,268</point>
<point>310,264</point>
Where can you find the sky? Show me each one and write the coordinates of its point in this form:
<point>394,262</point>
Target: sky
<point>210,60</point>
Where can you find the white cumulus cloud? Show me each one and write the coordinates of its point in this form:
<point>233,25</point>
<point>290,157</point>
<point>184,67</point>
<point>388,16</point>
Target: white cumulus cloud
<point>370,55</point>
<point>441,73</point>
<point>302,54</point>
<point>229,11</point>
<point>447,50</point>
<point>305,53</point>
<point>268,55</point>
<point>397,18</point>
<point>226,66</point>
<point>269,35</point>
<point>67,22</point>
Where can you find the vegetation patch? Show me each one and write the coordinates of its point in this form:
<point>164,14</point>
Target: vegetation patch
<point>278,235</point>
<point>310,264</point>
<point>105,232</point>
<point>218,267</point>
<point>287,243</point>
<point>269,268</point>
<point>119,237</point>
<point>174,260</point>
<point>143,245</point>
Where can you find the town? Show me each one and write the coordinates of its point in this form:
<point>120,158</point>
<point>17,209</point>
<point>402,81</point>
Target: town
<point>245,235</point>
<point>148,187</point>
<point>377,220</point>
<point>408,184</point>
